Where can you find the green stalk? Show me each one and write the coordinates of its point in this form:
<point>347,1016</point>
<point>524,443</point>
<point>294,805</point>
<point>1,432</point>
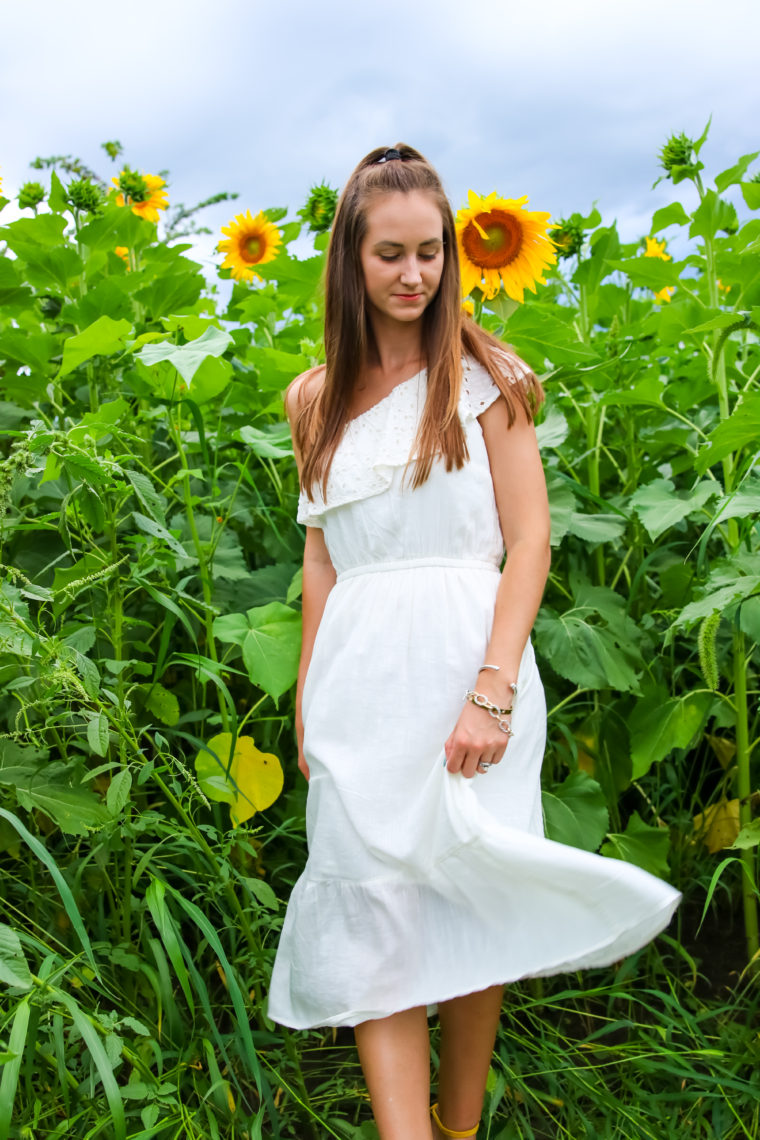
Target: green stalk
<point>203,563</point>
<point>744,790</point>
<point>739,663</point>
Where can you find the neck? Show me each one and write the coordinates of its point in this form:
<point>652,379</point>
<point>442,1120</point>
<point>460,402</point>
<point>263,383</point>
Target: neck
<point>396,346</point>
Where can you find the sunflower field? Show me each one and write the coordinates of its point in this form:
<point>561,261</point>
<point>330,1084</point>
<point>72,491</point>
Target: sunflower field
<point>151,813</point>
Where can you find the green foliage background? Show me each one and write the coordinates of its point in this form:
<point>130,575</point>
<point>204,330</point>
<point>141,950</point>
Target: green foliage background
<point>150,600</point>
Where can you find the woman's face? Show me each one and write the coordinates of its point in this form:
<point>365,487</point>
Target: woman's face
<point>402,254</point>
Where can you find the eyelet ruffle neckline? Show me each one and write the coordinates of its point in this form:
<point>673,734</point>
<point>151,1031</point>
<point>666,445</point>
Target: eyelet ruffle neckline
<point>378,441</point>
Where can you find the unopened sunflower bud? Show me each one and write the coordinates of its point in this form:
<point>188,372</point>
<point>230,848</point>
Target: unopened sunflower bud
<point>567,237</point>
<point>678,159</point>
<point>30,195</point>
<point>133,185</point>
<point>319,211</point>
<point>82,195</point>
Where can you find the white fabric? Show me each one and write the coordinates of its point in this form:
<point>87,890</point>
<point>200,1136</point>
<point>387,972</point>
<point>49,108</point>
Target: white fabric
<point>421,885</point>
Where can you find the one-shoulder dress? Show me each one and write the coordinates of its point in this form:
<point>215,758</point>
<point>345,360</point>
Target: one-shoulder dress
<point>421,885</point>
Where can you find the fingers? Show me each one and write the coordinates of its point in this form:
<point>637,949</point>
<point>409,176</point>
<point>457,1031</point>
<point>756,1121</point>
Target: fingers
<point>465,756</point>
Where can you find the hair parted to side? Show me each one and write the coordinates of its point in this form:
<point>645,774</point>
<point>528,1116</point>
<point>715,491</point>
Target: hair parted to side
<point>448,332</point>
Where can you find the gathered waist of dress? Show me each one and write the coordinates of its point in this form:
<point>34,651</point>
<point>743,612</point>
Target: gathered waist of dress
<point>434,561</point>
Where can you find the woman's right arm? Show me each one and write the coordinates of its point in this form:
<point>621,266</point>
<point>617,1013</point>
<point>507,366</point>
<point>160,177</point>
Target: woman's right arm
<point>318,580</point>
<point>318,571</point>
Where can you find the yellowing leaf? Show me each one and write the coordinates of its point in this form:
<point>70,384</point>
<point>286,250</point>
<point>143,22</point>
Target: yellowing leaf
<point>718,826</point>
<point>255,778</point>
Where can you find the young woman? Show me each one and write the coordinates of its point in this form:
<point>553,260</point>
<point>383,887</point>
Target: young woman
<point>429,881</point>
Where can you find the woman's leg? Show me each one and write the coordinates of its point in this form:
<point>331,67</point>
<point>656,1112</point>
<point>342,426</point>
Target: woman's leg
<point>468,1032</point>
<point>395,1056</point>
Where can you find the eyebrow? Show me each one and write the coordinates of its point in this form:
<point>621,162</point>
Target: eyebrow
<point>400,245</point>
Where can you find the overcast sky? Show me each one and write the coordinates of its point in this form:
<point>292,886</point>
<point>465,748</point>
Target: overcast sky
<point>567,102</point>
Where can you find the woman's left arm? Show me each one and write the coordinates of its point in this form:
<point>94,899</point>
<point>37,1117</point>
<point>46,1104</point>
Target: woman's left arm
<point>523,506</point>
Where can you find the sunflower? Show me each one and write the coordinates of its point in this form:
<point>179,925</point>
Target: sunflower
<point>250,241</point>
<point>144,192</point>
<point>500,241</point>
<point>656,248</point>
<point>123,253</point>
<point>662,296</point>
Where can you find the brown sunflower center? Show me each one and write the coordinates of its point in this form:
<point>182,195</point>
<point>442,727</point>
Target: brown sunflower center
<point>502,242</point>
<point>253,249</point>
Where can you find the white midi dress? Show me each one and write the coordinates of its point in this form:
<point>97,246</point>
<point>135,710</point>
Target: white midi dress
<point>420,884</point>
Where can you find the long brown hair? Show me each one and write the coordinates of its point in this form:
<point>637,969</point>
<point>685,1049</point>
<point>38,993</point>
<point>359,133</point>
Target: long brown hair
<point>447,332</point>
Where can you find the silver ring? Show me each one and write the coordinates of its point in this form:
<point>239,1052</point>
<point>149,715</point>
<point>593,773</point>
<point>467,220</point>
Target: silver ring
<point>484,765</point>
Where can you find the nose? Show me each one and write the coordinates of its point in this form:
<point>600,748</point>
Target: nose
<point>410,271</point>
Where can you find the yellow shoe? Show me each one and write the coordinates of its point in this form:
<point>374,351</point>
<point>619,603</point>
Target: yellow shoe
<point>449,1131</point>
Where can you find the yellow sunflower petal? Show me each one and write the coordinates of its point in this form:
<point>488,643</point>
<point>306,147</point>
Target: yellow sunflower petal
<point>250,241</point>
<point>500,242</point>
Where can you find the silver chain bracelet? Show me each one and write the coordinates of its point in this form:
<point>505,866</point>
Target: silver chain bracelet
<point>501,716</point>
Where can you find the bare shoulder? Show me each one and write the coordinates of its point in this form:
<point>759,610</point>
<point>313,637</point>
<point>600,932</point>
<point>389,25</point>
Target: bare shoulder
<point>303,389</point>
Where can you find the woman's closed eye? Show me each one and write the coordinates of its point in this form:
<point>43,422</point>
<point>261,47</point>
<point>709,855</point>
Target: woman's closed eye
<point>395,256</point>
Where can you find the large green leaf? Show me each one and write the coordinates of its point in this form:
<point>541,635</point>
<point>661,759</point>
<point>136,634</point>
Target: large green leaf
<point>103,338</point>
<point>660,506</point>
<point>576,813</point>
<point>671,215</point>
<point>741,429</point>
<point>593,644</point>
<point>187,358</point>
<point>641,844</point>
<point>660,723</point>
<point>649,272</point>
<point>715,601</point>
<point>270,638</point>
<point>711,215</point>
<point>735,173</point>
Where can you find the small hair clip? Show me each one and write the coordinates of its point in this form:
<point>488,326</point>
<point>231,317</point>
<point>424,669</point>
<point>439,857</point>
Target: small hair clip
<point>389,155</point>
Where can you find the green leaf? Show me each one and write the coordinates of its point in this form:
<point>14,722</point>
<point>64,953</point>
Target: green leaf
<point>103,338</point>
<point>751,194</point>
<point>649,272</point>
<point>150,526</point>
<point>57,196</point>
<point>29,238</point>
<point>590,653</point>
<point>163,704</point>
<point>97,733</point>
<point>596,528</point>
<point>263,893</point>
<point>553,431</point>
<point>660,506</point>
<point>148,495</point>
<point>276,368</point>
<point>117,795</point>
<point>741,429</point>
<point>576,813</point>
<point>38,849</point>
<point>102,1064</point>
<point>272,442</point>
<point>711,215</point>
<point>271,641</point>
<point>75,810</point>
<point>14,968</point>
<point>187,358</point>
<point>271,650</point>
<point>717,600</point>
<point>645,846</point>
<point>11,1067</point>
<point>561,506</point>
<point>212,377</point>
<point>672,215</point>
<point>97,425</point>
<point>30,348</point>
<point>659,724</point>
<point>537,333</point>
<point>719,321</point>
<point>735,174</point>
